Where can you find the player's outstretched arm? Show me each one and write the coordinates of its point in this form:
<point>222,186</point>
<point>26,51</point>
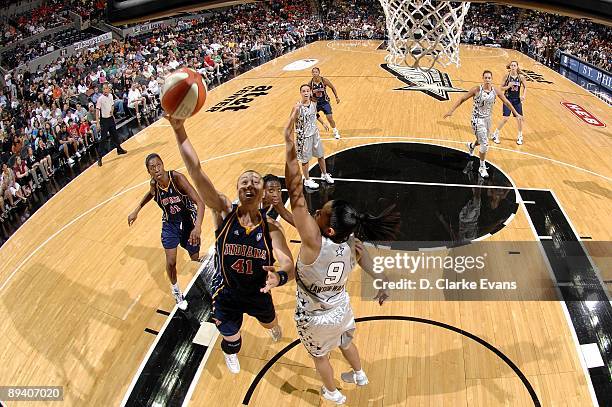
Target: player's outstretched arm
<point>332,87</point>
<point>285,214</point>
<point>283,256</point>
<point>462,99</point>
<point>186,188</point>
<point>304,223</point>
<point>367,264</point>
<point>134,215</point>
<point>203,184</point>
<point>506,102</point>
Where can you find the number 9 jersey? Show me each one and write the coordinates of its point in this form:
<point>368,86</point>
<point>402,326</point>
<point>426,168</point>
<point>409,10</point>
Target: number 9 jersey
<point>321,285</point>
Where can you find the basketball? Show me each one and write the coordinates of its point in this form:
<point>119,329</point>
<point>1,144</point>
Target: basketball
<point>183,93</point>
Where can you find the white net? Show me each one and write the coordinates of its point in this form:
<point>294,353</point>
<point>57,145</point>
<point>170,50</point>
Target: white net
<point>423,32</point>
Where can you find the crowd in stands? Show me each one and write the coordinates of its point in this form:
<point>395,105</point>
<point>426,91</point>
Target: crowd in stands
<point>541,35</point>
<point>353,19</point>
<point>47,118</point>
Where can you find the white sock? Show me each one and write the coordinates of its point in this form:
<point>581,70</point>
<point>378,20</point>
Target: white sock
<point>482,163</point>
<point>520,134</point>
<point>332,393</point>
<point>335,130</point>
<point>359,373</point>
<point>175,288</point>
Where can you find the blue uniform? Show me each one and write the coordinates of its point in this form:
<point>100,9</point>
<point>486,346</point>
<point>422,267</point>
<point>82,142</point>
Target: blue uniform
<point>513,93</point>
<point>239,259</point>
<point>178,218</point>
<point>321,96</point>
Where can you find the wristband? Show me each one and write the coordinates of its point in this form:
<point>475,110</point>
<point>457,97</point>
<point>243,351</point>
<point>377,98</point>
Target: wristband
<point>282,275</point>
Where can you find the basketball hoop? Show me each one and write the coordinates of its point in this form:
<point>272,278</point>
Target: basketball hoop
<point>423,32</point>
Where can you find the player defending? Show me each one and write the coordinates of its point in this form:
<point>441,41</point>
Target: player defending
<point>318,85</point>
<point>484,98</point>
<point>247,242</point>
<point>183,211</point>
<point>308,138</point>
<point>328,253</point>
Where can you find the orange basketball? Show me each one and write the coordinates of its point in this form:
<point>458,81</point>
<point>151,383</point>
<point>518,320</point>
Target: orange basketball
<point>183,93</point>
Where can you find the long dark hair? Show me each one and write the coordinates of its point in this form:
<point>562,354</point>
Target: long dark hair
<point>345,220</point>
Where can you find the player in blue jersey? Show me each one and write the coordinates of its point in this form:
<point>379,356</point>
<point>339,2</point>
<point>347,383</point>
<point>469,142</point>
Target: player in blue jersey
<point>183,210</point>
<point>247,244</point>
<point>318,85</point>
<point>515,89</point>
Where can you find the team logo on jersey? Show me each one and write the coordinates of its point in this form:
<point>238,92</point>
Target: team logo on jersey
<point>258,237</point>
<point>431,82</point>
<point>300,65</point>
<point>236,232</point>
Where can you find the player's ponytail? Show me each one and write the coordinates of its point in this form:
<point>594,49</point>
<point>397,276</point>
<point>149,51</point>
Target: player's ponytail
<point>345,220</point>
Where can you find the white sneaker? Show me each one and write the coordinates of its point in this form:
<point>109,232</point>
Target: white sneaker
<point>336,134</point>
<point>496,137</point>
<point>327,178</point>
<point>483,172</point>
<point>309,183</point>
<point>352,377</point>
<point>336,396</point>
<point>470,147</point>
<point>70,161</point>
<point>180,300</point>
<point>232,363</point>
<point>276,333</point>
<point>519,140</point>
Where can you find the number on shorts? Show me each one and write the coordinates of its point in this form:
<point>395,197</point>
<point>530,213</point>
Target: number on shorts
<point>334,272</point>
<point>239,264</point>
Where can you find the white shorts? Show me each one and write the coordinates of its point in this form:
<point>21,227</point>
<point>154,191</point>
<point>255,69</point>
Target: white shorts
<point>324,331</point>
<point>308,147</point>
<point>481,128</point>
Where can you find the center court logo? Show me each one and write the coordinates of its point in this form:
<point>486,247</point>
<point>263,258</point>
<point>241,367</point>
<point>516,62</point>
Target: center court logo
<point>431,82</point>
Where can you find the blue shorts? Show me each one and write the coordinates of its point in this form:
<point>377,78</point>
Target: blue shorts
<point>229,305</point>
<point>175,233</point>
<point>517,105</point>
<point>323,105</point>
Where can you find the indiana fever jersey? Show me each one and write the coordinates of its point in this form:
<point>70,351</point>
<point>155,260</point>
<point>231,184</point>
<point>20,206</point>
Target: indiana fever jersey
<point>318,90</point>
<point>175,205</point>
<point>514,91</point>
<point>241,253</point>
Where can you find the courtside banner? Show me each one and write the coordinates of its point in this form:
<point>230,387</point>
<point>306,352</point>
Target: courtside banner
<point>93,41</point>
<point>583,114</point>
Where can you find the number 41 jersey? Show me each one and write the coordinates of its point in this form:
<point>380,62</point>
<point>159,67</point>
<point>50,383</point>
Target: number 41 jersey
<point>321,285</point>
<point>241,253</point>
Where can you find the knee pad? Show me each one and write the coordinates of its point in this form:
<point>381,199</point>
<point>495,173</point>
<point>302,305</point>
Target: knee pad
<point>484,147</point>
<point>231,348</point>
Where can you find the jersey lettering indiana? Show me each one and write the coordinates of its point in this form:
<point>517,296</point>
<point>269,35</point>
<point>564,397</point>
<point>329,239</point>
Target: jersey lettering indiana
<point>175,205</point>
<point>241,253</point>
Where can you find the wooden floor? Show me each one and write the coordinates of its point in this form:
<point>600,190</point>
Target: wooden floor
<point>78,287</point>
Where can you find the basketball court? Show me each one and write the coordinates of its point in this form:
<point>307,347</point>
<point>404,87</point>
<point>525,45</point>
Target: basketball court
<point>85,298</point>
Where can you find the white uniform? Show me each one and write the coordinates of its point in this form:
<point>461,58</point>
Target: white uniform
<point>481,114</point>
<point>323,313</point>
<point>308,139</point>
